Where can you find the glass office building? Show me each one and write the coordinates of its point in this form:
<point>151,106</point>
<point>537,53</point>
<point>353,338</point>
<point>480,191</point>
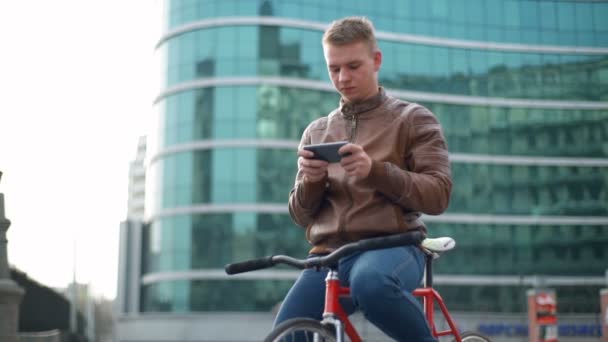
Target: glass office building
<point>520,87</point>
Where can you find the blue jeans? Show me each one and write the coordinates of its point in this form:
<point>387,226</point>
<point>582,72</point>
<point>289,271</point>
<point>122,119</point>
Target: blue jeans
<point>381,284</point>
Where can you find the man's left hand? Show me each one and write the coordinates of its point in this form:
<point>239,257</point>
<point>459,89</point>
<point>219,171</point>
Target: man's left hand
<point>355,162</point>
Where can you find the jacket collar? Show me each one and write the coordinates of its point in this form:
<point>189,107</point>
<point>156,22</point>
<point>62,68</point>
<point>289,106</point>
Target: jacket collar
<point>352,109</point>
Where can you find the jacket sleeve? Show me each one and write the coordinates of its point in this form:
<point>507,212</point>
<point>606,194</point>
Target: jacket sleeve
<point>427,183</point>
<point>305,197</point>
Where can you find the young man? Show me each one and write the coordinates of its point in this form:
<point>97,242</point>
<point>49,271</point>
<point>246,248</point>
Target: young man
<point>397,168</point>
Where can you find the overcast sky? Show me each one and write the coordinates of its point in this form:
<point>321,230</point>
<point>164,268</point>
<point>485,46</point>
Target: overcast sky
<point>77,81</point>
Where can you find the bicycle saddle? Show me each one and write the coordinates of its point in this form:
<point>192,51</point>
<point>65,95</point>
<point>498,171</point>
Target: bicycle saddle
<point>441,244</point>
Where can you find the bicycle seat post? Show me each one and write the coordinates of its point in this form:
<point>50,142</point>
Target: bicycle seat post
<point>428,281</point>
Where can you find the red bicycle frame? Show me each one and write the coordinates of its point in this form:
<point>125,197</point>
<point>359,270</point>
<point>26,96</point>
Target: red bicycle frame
<point>335,314</point>
<point>431,296</point>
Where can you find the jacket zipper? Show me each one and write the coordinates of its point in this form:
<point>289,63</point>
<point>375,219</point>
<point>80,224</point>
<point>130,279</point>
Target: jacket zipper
<point>353,129</point>
<point>341,227</point>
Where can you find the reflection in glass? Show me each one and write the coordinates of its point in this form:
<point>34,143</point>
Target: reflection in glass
<point>297,53</point>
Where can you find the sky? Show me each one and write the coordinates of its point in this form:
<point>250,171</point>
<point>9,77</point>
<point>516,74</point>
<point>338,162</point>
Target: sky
<point>77,82</point>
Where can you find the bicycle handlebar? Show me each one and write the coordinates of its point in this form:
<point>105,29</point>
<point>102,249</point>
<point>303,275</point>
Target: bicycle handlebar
<point>409,238</point>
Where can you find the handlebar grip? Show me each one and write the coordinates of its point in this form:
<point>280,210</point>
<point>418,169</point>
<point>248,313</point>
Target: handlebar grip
<point>249,265</point>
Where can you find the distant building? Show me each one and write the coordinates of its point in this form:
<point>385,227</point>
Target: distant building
<point>129,271</point>
<point>137,182</point>
<point>520,87</point>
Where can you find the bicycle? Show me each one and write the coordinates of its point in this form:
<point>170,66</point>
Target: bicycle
<point>336,323</point>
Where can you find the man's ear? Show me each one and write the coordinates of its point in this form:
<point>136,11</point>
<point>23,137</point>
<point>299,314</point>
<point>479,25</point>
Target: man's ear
<point>377,60</point>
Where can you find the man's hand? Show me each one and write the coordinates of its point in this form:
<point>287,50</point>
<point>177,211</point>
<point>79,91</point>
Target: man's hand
<point>356,163</point>
<point>313,170</point>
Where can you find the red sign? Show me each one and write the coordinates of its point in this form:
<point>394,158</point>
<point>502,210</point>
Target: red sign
<point>542,316</point>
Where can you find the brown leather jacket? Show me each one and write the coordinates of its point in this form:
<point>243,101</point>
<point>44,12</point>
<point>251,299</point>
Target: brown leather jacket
<point>410,173</point>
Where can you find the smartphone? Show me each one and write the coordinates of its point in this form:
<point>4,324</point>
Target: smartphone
<point>327,151</point>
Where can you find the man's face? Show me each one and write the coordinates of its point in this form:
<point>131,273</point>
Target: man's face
<point>353,70</point>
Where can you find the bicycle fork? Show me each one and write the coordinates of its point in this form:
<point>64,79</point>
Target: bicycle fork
<point>333,313</point>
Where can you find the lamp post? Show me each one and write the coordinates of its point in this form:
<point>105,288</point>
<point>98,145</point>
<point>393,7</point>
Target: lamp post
<point>10,292</point>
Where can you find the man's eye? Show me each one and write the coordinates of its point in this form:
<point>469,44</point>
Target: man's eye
<point>354,66</point>
<point>335,70</point>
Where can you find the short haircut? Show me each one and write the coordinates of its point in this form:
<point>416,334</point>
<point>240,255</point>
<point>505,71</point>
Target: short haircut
<point>351,30</point>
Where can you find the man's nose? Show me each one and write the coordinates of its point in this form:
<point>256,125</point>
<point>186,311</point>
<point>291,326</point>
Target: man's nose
<point>344,76</point>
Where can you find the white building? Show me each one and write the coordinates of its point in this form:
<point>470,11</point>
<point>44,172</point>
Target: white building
<point>137,182</point>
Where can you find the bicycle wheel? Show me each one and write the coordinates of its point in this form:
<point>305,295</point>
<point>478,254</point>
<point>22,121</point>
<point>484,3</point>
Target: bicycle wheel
<point>301,330</point>
<point>470,336</point>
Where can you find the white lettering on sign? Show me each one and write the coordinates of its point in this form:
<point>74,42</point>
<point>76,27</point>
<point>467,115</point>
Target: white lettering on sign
<point>545,299</point>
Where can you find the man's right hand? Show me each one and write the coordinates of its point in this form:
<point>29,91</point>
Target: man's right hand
<point>313,170</point>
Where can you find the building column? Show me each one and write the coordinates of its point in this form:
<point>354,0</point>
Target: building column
<point>129,268</point>
<point>10,292</point>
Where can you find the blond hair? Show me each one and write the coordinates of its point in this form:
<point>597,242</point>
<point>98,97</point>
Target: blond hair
<point>351,30</point>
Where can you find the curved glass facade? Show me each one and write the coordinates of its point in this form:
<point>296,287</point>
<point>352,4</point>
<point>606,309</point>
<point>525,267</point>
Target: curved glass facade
<point>210,241</point>
<point>215,176</point>
<point>228,51</point>
<point>527,132</point>
<point>209,113</point>
<point>240,112</point>
<point>515,21</point>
